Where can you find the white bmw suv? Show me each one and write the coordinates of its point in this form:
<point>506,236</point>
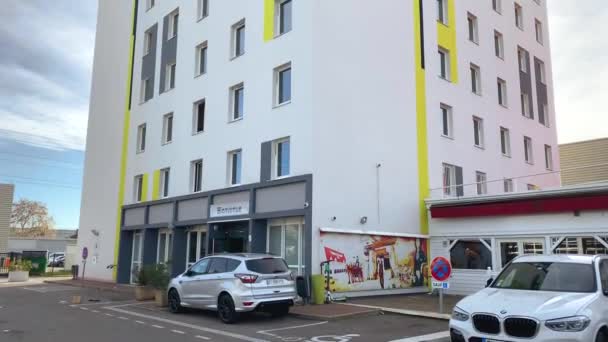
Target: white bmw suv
<point>541,298</point>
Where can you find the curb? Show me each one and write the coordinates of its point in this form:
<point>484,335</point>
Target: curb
<point>88,286</point>
<point>372,312</point>
<point>414,313</point>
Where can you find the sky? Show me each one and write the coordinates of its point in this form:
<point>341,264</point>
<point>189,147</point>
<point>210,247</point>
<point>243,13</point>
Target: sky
<point>46,59</point>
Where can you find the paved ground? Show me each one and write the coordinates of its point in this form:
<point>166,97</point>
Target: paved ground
<point>42,313</point>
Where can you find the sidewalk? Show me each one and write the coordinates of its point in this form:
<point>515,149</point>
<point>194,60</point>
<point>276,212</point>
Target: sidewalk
<point>32,281</point>
<point>94,284</point>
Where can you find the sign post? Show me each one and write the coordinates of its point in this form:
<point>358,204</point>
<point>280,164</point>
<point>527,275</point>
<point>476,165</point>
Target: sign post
<point>85,255</point>
<point>441,270</point>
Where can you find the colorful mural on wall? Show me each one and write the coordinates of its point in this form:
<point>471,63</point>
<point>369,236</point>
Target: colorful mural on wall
<point>373,262</point>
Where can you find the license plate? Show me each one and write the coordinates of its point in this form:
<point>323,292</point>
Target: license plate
<point>274,281</point>
<point>490,340</point>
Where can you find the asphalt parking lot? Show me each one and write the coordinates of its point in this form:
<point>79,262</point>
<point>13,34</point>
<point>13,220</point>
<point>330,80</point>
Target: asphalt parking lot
<point>46,313</point>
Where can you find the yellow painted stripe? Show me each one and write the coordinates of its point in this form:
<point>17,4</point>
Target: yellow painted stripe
<point>268,20</point>
<point>125,144</point>
<point>421,123</point>
<point>144,188</point>
<point>156,185</point>
<point>446,38</point>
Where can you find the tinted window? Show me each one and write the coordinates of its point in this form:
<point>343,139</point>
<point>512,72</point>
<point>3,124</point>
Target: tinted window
<point>267,265</point>
<point>604,274</point>
<point>547,276</point>
<point>232,265</point>
<point>218,265</point>
<point>200,267</point>
<point>470,255</point>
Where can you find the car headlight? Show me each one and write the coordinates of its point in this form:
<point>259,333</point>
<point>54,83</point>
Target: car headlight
<point>569,324</point>
<point>460,315</point>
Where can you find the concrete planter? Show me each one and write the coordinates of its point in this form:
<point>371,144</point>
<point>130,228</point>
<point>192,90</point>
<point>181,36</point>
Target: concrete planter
<point>161,298</point>
<point>18,276</point>
<point>144,293</point>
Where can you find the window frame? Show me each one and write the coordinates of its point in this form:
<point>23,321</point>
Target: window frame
<point>505,142</point>
<point>170,76</point>
<point>275,164</point>
<point>442,12</point>
<point>473,28</point>
<point>481,183</point>
<point>528,150</point>
<point>173,25</point>
<point>202,9</point>
<point>235,173</point>
<point>234,107</point>
<point>450,188</point>
<point>202,59</point>
<point>147,43</point>
<point>278,84</point>
<point>542,72</point>
<point>502,92</point>
<point>447,113</point>
<point>164,182</point>
<point>196,116</point>
<point>499,45</point>
<point>522,61</point>
<point>167,134</point>
<point>548,157</point>
<point>145,83</point>
<point>280,16</point>
<point>525,105</point>
<point>150,4</point>
<point>475,83</point>
<point>238,40</point>
<point>519,16</point>
<point>141,138</point>
<point>539,31</point>
<point>478,132</point>
<point>444,64</point>
<point>497,6</point>
<point>508,185</point>
<point>196,178</point>
<point>138,186</point>
<point>543,115</point>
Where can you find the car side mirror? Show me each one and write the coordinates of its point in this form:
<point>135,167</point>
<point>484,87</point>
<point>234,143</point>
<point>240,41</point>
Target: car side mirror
<point>489,282</point>
<point>189,273</point>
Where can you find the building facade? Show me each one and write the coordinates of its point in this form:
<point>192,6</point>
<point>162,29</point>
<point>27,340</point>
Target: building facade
<point>584,162</point>
<point>6,206</point>
<point>289,127</point>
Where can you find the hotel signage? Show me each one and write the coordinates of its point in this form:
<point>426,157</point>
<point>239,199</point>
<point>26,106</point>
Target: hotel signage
<point>229,209</point>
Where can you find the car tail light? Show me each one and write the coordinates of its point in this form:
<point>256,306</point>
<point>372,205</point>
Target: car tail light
<point>247,303</point>
<point>292,276</point>
<point>247,278</point>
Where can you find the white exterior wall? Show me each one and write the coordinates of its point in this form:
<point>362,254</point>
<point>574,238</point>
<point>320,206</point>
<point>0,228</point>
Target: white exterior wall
<point>541,226</point>
<point>99,206</point>
<point>461,151</point>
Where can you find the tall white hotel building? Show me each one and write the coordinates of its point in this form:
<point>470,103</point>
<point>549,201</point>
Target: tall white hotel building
<point>263,125</point>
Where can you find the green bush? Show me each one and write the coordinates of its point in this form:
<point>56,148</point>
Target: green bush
<point>142,277</point>
<point>21,265</point>
<point>159,277</point>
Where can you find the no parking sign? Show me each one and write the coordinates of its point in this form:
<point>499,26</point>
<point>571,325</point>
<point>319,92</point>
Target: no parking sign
<point>441,269</point>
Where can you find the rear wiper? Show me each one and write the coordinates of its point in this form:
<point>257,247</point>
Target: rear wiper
<point>278,271</point>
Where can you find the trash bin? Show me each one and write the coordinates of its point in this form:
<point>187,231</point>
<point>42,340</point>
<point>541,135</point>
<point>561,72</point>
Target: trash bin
<point>318,288</point>
<point>74,272</point>
<point>303,288</point>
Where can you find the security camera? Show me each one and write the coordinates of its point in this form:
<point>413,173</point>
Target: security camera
<point>306,204</point>
<point>363,220</point>
<point>333,218</point>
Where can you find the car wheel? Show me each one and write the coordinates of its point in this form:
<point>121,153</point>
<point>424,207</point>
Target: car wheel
<point>226,311</point>
<point>175,303</point>
<point>601,336</point>
<point>280,311</point>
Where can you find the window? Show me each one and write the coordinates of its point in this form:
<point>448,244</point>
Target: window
<point>482,183</point>
<point>147,42</point>
<point>473,28</point>
<point>285,238</point>
<point>196,247</point>
<point>532,187</point>
<point>237,99</point>
<point>238,39</point>
<point>149,4</point>
<point>141,138</point>
<point>525,105</point>
<point>173,24</point>
<point>196,170</point>
<point>475,79</point>
<point>604,275</point>
<point>146,90</point>
<point>281,158</point>
<point>519,16</point>
<point>164,183</point>
<point>505,142</point>
<point>542,76</point>
<point>523,60</point>
<point>234,167</point>
<point>167,128</point>
<point>198,119</point>
<point>283,9</point>
<point>165,247</point>
<point>497,5</point>
<point>499,44</point>
<point>201,59</point>
<point>508,185</point>
<point>502,92</point>
<point>543,116</point>
<point>449,180</point>
<point>170,76</point>
<point>202,9</point>
<point>282,79</point>
<point>478,132</point>
<point>446,121</point>
<point>581,246</point>
<point>200,267</point>
<point>444,63</point>
<point>138,188</point>
<point>548,158</point>
<point>470,255</point>
<point>538,25</point>
<point>548,276</point>
<point>528,150</point>
<point>442,11</point>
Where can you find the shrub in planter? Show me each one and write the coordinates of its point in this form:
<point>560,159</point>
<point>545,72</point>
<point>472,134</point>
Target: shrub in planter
<point>19,271</point>
<point>143,290</point>
<point>159,280</point>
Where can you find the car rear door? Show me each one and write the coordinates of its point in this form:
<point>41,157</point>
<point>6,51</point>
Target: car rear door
<point>274,278</point>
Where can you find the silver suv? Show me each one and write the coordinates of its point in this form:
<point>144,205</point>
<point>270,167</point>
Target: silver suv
<point>233,284</point>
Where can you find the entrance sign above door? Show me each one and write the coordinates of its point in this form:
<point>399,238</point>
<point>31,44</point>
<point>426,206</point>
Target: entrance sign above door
<point>230,209</point>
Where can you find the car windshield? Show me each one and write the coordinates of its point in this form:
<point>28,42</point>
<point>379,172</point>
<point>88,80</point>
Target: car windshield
<point>267,265</point>
<point>547,276</point>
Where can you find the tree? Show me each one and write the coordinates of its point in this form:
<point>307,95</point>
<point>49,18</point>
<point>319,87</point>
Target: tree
<point>31,218</point>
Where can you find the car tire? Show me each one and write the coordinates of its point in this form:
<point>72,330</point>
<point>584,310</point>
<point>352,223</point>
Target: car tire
<point>601,336</point>
<point>226,310</point>
<point>280,311</point>
<point>175,303</point>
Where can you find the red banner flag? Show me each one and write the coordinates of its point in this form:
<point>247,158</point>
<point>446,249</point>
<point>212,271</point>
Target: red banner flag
<point>333,255</point>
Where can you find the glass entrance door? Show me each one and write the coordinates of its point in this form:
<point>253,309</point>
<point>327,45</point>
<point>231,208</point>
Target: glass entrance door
<point>136,256</point>
<point>286,239</point>
<point>512,248</point>
<point>230,238</point>
<point>197,245</point>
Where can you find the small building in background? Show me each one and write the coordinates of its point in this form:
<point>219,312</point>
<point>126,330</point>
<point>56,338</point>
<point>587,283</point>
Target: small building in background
<point>6,205</point>
<point>584,162</point>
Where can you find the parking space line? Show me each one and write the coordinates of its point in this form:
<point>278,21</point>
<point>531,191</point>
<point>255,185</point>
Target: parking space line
<point>185,325</point>
<point>202,337</point>
<point>109,315</point>
<point>266,332</point>
<point>424,338</point>
<point>158,326</point>
<point>123,318</point>
<point>178,332</point>
<point>95,311</point>
<point>140,322</point>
